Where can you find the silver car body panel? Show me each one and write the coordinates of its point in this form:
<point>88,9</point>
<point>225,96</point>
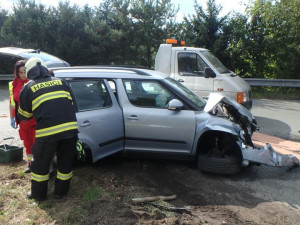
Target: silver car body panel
<point>124,126</point>
<point>207,122</point>
<point>155,129</point>
<point>102,129</point>
<point>267,155</point>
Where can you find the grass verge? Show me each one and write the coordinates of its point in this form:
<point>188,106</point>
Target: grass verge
<point>275,93</point>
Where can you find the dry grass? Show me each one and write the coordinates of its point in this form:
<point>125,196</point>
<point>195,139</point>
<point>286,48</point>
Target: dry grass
<point>15,208</point>
<point>87,188</point>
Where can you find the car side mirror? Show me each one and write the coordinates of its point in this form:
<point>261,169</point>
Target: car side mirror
<point>175,104</point>
<point>209,73</point>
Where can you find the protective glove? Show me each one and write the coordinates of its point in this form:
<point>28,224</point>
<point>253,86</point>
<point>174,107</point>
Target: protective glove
<point>13,123</point>
<point>80,151</point>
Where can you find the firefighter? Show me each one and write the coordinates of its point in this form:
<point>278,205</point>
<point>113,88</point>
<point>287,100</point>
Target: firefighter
<point>26,128</point>
<point>49,101</point>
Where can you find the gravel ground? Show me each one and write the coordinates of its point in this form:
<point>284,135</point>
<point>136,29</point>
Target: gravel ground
<point>5,129</point>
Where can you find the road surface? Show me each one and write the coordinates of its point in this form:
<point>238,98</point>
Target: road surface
<point>279,118</point>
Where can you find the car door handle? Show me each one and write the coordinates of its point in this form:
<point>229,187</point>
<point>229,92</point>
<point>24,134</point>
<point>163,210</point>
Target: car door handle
<point>85,124</point>
<point>180,80</point>
<point>133,117</point>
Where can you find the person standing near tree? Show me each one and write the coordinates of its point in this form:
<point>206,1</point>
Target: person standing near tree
<point>49,101</point>
<point>26,128</point>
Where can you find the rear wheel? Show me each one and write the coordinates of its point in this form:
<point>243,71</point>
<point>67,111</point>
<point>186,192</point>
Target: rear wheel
<point>219,154</point>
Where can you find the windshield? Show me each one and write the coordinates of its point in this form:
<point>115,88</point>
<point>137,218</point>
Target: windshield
<point>44,56</point>
<point>216,63</point>
<point>188,93</point>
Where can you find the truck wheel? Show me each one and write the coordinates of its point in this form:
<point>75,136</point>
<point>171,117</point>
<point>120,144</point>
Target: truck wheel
<point>228,164</point>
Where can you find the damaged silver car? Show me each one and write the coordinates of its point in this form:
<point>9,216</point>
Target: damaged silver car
<point>140,112</point>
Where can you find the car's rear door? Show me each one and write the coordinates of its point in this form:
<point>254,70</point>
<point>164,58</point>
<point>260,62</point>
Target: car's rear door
<point>99,116</point>
<point>149,125</point>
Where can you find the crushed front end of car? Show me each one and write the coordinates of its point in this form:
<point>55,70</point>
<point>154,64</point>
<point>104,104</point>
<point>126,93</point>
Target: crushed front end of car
<point>224,107</point>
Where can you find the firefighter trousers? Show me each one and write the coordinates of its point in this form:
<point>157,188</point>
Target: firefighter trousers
<point>43,152</point>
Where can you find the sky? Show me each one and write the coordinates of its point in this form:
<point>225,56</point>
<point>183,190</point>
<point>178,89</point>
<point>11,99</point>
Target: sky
<point>186,6</point>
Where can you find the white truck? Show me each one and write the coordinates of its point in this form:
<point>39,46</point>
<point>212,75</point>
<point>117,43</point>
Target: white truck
<point>201,71</point>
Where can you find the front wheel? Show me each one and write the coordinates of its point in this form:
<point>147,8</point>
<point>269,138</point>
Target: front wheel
<point>219,153</point>
<point>228,164</point>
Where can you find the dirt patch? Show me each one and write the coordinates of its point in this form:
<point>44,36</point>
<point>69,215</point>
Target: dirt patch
<point>210,199</point>
<point>102,194</point>
<point>110,212</point>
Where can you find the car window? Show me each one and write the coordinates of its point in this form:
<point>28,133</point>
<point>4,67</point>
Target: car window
<point>112,85</point>
<point>7,63</point>
<point>200,102</point>
<point>90,94</point>
<point>147,93</point>
<point>191,64</point>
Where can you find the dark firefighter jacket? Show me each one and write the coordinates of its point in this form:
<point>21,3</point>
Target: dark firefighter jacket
<point>48,100</point>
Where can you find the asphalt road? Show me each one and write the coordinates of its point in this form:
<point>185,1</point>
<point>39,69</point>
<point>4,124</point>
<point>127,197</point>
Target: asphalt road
<point>280,118</point>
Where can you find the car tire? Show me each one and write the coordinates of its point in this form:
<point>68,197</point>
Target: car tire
<point>229,164</point>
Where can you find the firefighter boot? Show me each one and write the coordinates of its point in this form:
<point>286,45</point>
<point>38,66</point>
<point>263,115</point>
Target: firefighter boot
<point>38,190</point>
<point>61,188</point>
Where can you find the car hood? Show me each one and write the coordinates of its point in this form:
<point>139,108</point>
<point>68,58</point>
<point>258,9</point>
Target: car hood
<point>215,98</point>
<point>224,107</point>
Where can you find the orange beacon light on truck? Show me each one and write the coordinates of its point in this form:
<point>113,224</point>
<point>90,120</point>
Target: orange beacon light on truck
<point>175,42</point>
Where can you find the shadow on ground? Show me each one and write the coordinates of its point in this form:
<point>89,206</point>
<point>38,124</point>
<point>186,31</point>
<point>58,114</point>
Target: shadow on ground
<point>273,127</point>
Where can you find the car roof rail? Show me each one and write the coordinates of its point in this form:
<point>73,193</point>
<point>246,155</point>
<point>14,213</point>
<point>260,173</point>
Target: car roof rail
<point>135,69</point>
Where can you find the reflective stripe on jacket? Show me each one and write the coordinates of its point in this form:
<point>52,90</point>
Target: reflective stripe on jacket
<point>11,95</point>
<point>49,101</point>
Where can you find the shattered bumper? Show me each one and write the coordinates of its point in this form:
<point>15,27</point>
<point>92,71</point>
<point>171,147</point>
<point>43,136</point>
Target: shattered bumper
<point>267,155</point>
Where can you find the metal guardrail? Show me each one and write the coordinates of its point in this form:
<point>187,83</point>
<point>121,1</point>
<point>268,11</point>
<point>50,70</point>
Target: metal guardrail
<point>7,77</point>
<point>251,81</point>
<point>273,82</point>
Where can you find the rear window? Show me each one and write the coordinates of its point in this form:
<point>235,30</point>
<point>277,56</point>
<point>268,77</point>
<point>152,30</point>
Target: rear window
<point>90,94</point>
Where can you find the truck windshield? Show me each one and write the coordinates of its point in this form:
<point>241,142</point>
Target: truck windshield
<point>216,63</point>
<point>188,93</point>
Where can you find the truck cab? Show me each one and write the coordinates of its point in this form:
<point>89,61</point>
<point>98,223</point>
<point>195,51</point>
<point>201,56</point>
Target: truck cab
<point>201,71</point>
